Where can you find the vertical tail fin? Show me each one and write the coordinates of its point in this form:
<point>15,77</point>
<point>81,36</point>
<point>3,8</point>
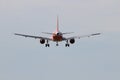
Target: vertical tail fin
<point>57,29</point>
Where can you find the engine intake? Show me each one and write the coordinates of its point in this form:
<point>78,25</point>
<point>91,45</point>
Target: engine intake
<point>72,41</point>
<point>42,41</point>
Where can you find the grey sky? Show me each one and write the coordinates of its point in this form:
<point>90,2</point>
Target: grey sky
<point>95,58</point>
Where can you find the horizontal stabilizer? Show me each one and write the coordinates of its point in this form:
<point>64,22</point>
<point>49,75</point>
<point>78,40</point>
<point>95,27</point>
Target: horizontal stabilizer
<point>47,33</point>
<point>67,33</point>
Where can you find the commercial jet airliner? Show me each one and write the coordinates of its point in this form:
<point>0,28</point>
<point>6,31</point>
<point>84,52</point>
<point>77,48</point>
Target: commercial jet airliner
<point>57,36</point>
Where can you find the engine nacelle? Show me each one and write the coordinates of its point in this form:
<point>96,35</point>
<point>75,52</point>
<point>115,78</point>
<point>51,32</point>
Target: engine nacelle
<point>42,41</point>
<point>72,41</point>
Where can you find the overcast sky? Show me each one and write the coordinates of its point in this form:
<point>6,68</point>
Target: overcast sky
<point>95,58</point>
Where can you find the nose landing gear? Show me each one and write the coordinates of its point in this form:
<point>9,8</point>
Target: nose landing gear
<point>57,44</point>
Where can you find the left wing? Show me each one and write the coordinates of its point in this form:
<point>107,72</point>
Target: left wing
<point>78,37</point>
<point>36,37</point>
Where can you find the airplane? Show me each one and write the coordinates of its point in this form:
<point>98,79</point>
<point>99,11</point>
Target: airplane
<point>57,36</point>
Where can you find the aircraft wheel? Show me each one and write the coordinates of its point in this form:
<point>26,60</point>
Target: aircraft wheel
<point>57,45</point>
<point>67,45</point>
<point>47,45</point>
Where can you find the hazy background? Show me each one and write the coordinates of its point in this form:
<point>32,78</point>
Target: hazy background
<point>95,58</point>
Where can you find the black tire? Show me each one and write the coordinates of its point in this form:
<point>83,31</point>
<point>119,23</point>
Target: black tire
<point>57,45</point>
<point>47,45</point>
<point>67,45</point>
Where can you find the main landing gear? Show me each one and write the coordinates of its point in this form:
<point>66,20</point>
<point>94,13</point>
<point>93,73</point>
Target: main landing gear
<point>67,44</point>
<point>47,45</point>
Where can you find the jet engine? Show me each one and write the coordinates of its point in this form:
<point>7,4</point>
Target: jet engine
<point>42,41</point>
<point>72,41</point>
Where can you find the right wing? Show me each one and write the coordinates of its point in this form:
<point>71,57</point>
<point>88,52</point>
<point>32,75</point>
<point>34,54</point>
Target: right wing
<point>36,37</point>
<point>78,37</point>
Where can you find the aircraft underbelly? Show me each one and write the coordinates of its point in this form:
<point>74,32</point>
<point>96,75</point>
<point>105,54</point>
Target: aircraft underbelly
<point>57,38</point>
